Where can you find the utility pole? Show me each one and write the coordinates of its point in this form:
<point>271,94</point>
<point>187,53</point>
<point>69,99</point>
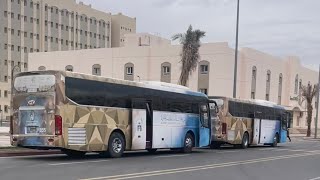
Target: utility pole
<point>236,56</point>
<point>317,110</point>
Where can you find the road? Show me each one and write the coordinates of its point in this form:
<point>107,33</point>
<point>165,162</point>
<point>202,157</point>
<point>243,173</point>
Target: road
<point>299,160</point>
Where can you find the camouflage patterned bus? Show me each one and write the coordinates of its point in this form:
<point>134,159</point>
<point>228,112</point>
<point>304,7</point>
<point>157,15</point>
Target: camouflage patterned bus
<point>247,122</point>
<point>80,113</point>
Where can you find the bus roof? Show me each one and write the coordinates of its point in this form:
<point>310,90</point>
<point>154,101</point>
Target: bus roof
<point>250,101</point>
<point>145,84</point>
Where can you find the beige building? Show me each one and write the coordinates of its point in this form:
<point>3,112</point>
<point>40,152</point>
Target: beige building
<point>29,26</point>
<point>146,57</point>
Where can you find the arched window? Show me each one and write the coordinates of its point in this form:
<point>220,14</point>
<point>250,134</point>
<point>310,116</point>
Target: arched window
<point>69,68</point>
<point>203,76</point>
<point>96,70</point>
<point>268,85</point>
<point>41,68</point>
<point>129,71</point>
<point>280,88</point>
<point>253,82</point>
<point>296,84</point>
<point>166,72</point>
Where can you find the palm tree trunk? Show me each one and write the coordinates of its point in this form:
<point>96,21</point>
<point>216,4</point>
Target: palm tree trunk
<point>309,118</point>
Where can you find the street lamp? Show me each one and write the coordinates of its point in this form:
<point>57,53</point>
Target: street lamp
<point>12,74</point>
<point>1,116</point>
<point>236,57</point>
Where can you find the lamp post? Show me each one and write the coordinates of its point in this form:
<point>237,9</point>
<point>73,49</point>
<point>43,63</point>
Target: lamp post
<point>1,116</point>
<point>11,98</point>
<point>317,113</point>
<point>236,55</point>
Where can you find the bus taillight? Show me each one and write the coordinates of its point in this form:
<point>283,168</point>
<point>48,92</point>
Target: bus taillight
<point>224,128</point>
<point>58,125</point>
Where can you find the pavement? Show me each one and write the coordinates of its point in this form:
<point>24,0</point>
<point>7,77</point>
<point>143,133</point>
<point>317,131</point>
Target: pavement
<point>298,160</point>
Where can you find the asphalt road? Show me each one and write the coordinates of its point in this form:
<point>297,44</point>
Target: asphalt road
<point>299,160</point>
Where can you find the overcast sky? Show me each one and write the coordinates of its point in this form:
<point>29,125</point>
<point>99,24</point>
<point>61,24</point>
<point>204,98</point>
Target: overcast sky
<point>278,27</point>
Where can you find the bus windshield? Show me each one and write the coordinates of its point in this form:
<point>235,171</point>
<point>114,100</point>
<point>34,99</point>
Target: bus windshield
<point>34,83</point>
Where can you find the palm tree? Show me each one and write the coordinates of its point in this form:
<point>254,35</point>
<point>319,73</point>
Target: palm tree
<point>190,52</point>
<point>308,93</point>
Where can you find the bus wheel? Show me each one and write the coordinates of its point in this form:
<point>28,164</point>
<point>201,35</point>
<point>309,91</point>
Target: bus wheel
<point>116,145</point>
<point>245,141</point>
<point>73,153</point>
<point>152,150</point>
<point>215,145</point>
<point>188,143</point>
<point>275,141</point>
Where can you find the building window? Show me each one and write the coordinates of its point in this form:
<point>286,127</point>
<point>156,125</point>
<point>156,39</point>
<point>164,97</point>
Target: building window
<point>204,91</point>
<point>19,48</point>
<point>6,62</point>
<point>5,30</point>
<point>166,70</point>
<point>19,16</point>
<point>6,78</point>
<point>25,34</point>
<point>5,46</point>
<point>204,69</point>
<point>31,35</point>
<point>5,13</point>
<point>25,2</point>
<point>31,50</point>
<point>25,65</point>
<point>41,68</point>
<point>19,32</point>
<point>31,20</point>
<point>268,85</point>
<point>5,94</point>
<point>38,6</point>
<point>25,19</point>
<point>6,109</point>
<point>12,31</point>
<point>31,4</point>
<point>296,84</point>
<point>69,68</point>
<point>129,70</point>
<point>12,15</point>
<point>280,89</point>
<point>253,82</point>
<point>96,70</point>
<point>12,47</point>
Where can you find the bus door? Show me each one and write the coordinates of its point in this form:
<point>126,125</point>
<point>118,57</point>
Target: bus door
<point>204,130</point>
<point>284,127</point>
<point>141,124</point>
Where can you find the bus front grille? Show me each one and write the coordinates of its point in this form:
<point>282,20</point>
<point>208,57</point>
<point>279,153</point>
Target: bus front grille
<point>77,136</point>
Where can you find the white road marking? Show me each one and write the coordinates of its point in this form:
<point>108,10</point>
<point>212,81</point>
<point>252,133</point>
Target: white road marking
<point>221,152</point>
<point>171,156</point>
<point>78,162</point>
<point>197,168</point>
<point>317,178</point>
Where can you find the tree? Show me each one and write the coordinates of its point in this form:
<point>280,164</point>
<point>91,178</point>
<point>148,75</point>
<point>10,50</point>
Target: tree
<point>308,93</point>
<point>190,52</point>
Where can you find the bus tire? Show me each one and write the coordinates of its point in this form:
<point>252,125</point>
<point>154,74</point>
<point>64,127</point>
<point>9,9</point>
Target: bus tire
<point>215,145</point>
<point>151,151</point>
<point>188,143</point>
<point>245,141</point>
<point>73,153</point>
<point>275,141</point>
<point>116,145</point>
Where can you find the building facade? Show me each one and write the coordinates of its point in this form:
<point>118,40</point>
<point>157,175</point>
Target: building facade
<point>29,26</point>
<point>150,58</point>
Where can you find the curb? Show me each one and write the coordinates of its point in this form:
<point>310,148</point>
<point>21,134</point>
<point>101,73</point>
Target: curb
<point>28,153</point>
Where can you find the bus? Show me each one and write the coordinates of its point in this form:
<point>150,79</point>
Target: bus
<point>81,113</point>
<point>247,122</point>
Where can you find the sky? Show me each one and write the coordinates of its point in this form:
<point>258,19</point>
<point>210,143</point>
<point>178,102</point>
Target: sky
<point>277,27</point>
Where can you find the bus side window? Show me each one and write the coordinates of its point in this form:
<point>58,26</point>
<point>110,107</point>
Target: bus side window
<point>204,116</point>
